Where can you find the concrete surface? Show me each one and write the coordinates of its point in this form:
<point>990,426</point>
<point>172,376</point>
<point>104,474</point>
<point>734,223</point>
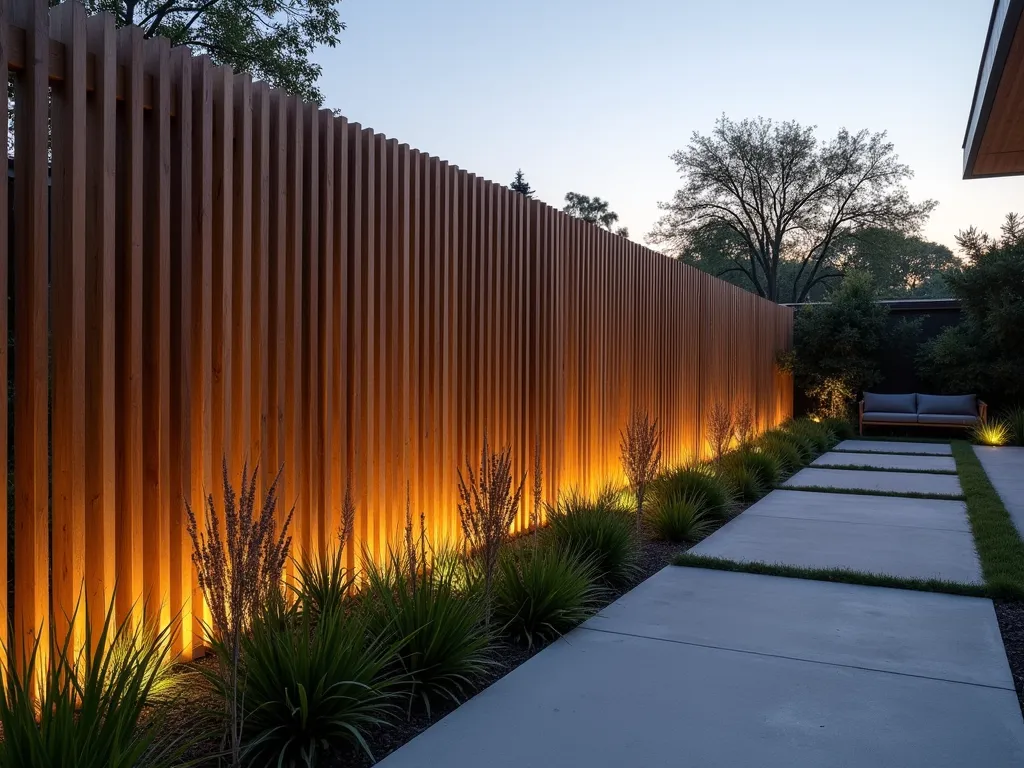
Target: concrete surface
<point>610,699</point>
<point>1005,468</point>
<point>867,480</point>
<point>947,637</point>
<point>895,446</point>
<point>940,514</point>
<point>912,553</point>
<point>886,461</point>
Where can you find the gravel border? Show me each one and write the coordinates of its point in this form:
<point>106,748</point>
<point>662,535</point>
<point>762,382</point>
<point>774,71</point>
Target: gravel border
<point>1010,615</point>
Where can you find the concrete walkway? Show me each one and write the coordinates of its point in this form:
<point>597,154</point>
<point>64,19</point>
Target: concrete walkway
<point>882,481</point>
<point>886,461</point>
<point>711,668</point>
<point>895,446</point>
<point>1005,468</point>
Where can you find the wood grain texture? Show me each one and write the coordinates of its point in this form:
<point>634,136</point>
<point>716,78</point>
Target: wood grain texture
<point>235,276</point>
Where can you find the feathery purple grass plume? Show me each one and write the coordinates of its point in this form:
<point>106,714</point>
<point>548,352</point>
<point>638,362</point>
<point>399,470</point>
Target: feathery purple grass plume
<point>640,453</point>
<point>538,488</point>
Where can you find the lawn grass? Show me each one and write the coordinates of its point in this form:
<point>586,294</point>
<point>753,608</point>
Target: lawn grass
<point>903,439</point>
<point>890,453</point>
<point>869,492</point>
<point>999,545</point>
<point>869,468</point>
<point>837,575</point>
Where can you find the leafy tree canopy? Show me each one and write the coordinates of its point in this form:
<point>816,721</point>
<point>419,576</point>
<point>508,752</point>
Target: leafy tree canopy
<point>271,39</point>
<point>783,203</point>
<point>521,185</point>
<point>837,345</point>
<point>593,210</point>
<point>983,353</point>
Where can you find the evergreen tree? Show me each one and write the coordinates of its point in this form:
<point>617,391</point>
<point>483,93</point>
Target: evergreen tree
<point>521,185</point>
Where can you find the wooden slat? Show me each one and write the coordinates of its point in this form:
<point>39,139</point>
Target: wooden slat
<point>68,185</point>
<point>130,176</point>
<point>222,212</point>
<point>260,414</point>
<point>293,492</point>
<point>239,415</point>
<point>31,492</point>
<point>326,340</point>
<point>310,456</point>
<point>156,329</point>
<point>5,266</point>
<point>180,460</point>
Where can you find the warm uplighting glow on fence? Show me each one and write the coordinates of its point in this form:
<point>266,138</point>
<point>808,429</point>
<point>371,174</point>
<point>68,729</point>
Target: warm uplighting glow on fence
<point>237,273</point>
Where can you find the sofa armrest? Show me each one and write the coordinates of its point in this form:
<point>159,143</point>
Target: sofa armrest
<point>983,410</point>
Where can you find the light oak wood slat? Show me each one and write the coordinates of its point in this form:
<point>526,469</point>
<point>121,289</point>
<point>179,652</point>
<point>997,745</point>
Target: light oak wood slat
<point>308,542</point>
<point>68,188</point>
<point>340,377</point>
<point>5,266</point>
<point>31,497</point>
<point>182,578</point>
<point>156,331</point>
<point>130,178</point>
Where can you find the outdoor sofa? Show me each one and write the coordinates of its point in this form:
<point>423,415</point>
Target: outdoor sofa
<point>921,410</point>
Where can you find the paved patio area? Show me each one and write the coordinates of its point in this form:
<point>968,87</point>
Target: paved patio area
<point>1005,468</point>
<point>869,480</point>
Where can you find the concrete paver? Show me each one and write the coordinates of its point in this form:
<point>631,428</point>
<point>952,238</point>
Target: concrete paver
<point>606,699</point>
<point>895,446</point>
<point>1005,468</point>
<point>940,514</point>
<point>911,553</point>
<point>886,461</point>
<point>868,480</point>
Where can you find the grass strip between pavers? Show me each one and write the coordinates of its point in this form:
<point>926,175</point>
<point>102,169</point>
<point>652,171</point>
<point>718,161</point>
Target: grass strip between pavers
<point>995,536</point>
<point>869,491</point>
<point>837,575</point>
<point>869,468</point>
<point>890,453</point>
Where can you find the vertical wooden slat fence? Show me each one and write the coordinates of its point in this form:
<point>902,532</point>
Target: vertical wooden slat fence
<point>227,274</point>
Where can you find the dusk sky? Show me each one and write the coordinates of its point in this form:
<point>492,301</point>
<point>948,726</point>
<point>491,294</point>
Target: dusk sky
<point>593,96</point>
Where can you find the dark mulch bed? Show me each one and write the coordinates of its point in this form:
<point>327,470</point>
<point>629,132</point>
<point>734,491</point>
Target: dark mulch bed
<point>1011,625</point>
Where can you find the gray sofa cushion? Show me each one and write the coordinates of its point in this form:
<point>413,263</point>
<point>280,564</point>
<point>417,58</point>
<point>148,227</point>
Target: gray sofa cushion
<point>895,418</point>
<point>876,403</point>
<point>948,405</point>
<point>945,418</point>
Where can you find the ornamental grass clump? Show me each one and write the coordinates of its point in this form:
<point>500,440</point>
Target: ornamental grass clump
<point>435,622</point>
<point>239,572</point>
<point>783,450</point>
<point>640,454</point>
<point>699,480</point>
<point>488,504</point>
<point>95,708</point>
<point>745,480</point>
<point>542,593</point>
<point>681,518</point>
<point>763,464</point>
<point>315,680</point>
<point>599,530</point>
<point>841,427</point>
<point>324,582</point>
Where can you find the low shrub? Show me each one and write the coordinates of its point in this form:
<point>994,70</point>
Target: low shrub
<point>745,481</point>
<point>541,593</point>
<point>599,530</point>
<point>804,447</point>
<point>682,519</point>
<point>311,686</point>
<point>815,433</point>
<point>843,429</point>
<point>93,709</point>
<point>324,583</point>
<point>436,625</point>
<point>762,463</point>
<point>699,480</point>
